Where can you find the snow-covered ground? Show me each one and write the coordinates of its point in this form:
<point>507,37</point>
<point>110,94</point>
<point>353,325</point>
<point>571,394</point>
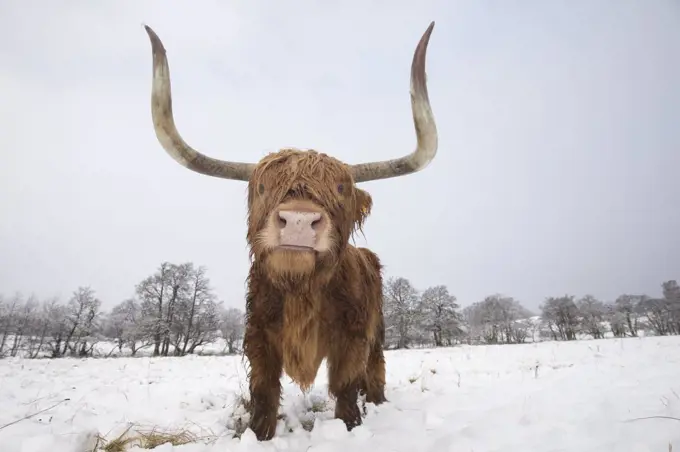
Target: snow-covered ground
<point>549,396</point>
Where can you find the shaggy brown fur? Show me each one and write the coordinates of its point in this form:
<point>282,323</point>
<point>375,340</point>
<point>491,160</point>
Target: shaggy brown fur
<point>304,307</point>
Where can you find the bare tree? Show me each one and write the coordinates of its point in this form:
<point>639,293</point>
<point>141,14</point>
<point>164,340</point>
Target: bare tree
<point>593,313</point>
<point>659,315</point>
<point>662,314</point>
<point>671,296</point>
<point>155,293</point>
<point>8,319</point>
<point>206,326</point>
<point>496,319</point>
<point>82,317</point>
<point>58,328</point>
<point>232,326</point>
<point>439,315</point>
<point>24,320</point>
<point>617,321</point>
<point>630,307</point>
<point>521,329</point>
<point>40,329</point>
<point>197,307</point>
<point>401,311</point>
<point>473,321</point>
<point>124,325</point>
<point>179,308</point>
<point>114,325</point>
<point>562,317</point>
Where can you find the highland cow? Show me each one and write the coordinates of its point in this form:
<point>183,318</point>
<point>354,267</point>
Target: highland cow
<point>311,294</point>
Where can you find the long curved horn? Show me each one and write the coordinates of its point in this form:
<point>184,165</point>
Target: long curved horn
<point>166,132</point>
<point>426,129</point>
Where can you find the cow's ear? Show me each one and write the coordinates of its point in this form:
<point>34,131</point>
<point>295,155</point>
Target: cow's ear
<point>363,206</point>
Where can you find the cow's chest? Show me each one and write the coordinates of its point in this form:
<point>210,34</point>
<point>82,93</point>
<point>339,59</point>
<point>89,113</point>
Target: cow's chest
<point>303,338</point>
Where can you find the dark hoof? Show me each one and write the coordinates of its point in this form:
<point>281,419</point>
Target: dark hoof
<point>351,416</point>
<point>376,399</point>
<point>263,425</point>
<point>352,423</point>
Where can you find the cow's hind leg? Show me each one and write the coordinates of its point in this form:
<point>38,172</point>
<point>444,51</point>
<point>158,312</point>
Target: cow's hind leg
<point>266,366</point>
<point>346,371</point>
<point>374,382</point>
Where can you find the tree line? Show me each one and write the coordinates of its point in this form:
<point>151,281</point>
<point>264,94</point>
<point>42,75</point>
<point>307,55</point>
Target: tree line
<point>433,317</point>
<point>175,312</point>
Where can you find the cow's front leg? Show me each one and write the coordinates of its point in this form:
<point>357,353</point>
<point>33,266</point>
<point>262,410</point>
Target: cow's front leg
<point>346,370</point>
<point>265,380</point>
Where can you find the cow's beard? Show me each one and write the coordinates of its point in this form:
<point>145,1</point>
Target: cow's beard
<point>299,271</point>
<point>288,263</point>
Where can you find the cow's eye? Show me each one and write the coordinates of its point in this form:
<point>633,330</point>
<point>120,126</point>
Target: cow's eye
<point>341,188</point>
<point>260,188</point>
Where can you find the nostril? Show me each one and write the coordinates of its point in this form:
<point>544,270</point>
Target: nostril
<point>282,221</point>
<point>316,223</point>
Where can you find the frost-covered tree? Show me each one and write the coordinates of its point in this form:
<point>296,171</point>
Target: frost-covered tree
<point>57,329</point>
<point>497,319</point>
<point>41,333</point>
<point>125,326</point>
<point>179,279</point>
<point>232,326</point>
<point>617,321</point>
<point>402,314</point>
<point>439,315</point>
<point>659,315</point>
<point>19,323</point>
<point>593,315</point>
<point>23,323</point>
<point>82,317</point>
<point>114,324</point>
<point>630,307</point>
<point>159,295</point>
<point>671,296</point>
<point>662,314</point>
<point>9,313</point>
<point>561,315</point>
<point>197,316</point>
<point>178,308</point>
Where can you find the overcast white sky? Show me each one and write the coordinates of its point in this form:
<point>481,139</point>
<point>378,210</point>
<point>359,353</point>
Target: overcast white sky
<point>557,170</point>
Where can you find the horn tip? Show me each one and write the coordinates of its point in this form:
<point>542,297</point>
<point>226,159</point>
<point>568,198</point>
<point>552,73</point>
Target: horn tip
<point>428,32</point>
<point>156,44</point>
<point>148,29</point>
